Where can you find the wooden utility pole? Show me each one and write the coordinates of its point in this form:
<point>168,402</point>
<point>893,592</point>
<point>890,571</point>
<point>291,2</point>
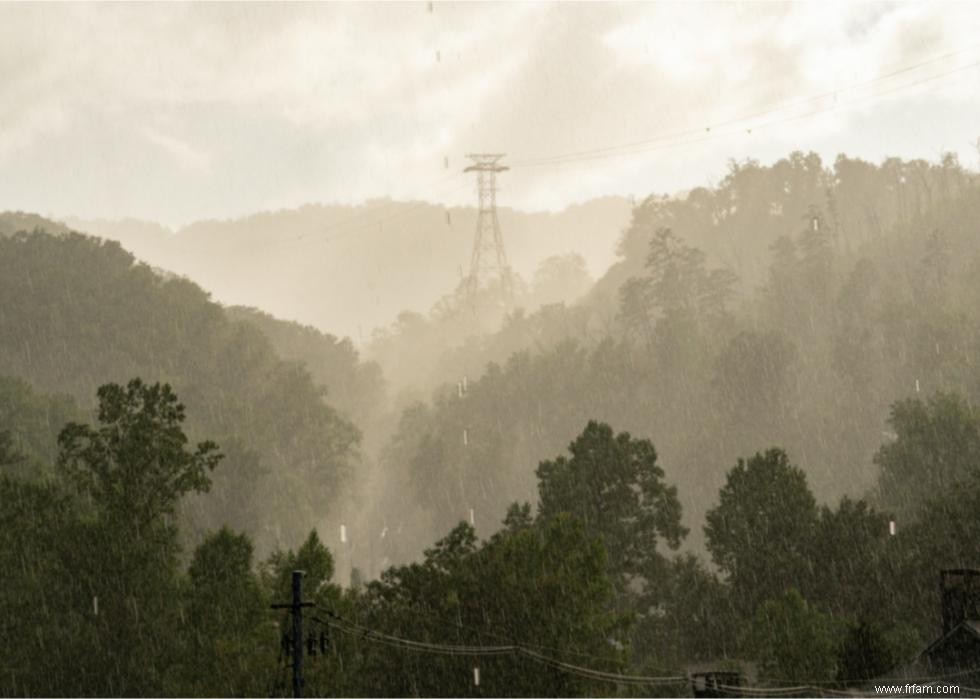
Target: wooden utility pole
<point>296,607</point>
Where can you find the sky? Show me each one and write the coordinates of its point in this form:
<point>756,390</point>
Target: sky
<point>180,112</point>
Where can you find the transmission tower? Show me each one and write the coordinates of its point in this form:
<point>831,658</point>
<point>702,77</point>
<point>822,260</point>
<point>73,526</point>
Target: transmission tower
<point>489,260</point>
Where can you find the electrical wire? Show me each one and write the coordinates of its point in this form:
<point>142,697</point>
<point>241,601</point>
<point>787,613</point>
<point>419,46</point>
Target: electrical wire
<point>613,677</point>
<point>671,140</point>
<point>709,134</point>
<point>711,130</point>
<point>458,626</point>
<point>514,649</point>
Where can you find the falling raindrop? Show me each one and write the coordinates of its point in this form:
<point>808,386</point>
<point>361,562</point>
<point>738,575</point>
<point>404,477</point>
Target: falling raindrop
<point>891,527</point>
<point>476,677</point>
<point>466,438</point>
<point>472,519</point>
<point>916,385</point>
<point>343,534</point>
<point>95,605</point>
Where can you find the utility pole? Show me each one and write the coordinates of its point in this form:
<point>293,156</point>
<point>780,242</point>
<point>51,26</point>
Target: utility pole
<point>296,607</point>
<point>488,259</point>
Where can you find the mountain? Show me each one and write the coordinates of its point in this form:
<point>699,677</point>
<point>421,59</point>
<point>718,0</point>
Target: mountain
<point>13,221</point>
<point>857,288</point>
<point>348,270</point>
<point>77,312</point>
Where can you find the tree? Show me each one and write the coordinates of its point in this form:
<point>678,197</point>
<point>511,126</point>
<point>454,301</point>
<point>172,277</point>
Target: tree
<point>8,455</point>
<point>864,654</point>
<point>231,647</point>
<point>560,278</point>
<point>613,485</point>
<point>135,467</point>
<point>760,532</point>
<point>36,522</point>
<point>750,384</point>
<point>312,557</point>
<point>132,471</point>
<point>850,559</point>
<point>339,670</point>
<point>88,310</point>
<point>29,425</point>
<point>793,641</point>
<point>693,620</point>
<point>937,449</point>
<point>541,585</point>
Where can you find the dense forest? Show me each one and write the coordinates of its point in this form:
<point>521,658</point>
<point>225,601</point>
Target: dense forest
<point>751,445</point>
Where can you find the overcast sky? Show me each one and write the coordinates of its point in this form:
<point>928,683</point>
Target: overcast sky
<point>174,112</point>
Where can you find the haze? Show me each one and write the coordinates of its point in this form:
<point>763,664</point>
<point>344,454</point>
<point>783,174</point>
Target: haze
<point>176,113</point>
<point>434,349</point>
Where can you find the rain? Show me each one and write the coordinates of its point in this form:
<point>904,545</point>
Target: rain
<point>437,349</point>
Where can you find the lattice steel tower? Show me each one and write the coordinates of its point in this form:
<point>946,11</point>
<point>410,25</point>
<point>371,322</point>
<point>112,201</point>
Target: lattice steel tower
<point>489,259</point>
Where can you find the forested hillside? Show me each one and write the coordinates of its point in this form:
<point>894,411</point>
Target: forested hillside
<point>78,313</point>
<point>700,463</point>
<point>308,264</point>
<point>856,288</point>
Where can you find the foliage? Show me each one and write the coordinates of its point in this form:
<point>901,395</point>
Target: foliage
<point>135,466</point>
<point>30,423</point>
<point>612,483</point>
<point>88,314</point>
<point>794,642</point>
<point>231,646</point>
<point>693,620</point>
<point>759,532</point>
<point>864,654</point>
<point>541,585</point>
<point>936,451</point>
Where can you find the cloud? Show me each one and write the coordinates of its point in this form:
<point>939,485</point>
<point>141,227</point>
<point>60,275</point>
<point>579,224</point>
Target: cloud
<point>253,103</point>
<point>187,157</point>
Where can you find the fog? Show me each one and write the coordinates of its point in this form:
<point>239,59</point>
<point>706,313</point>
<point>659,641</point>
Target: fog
<point>566,349</point>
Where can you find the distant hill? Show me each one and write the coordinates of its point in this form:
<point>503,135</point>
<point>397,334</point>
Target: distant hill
<point>77,312</point>
<point>13,221</point>
<point>791,306</point>
<point>348,270</point>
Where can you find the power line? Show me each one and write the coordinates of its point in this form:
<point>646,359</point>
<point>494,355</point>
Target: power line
<point>600,675</point>
<point>367,633</point>
<point>512,649</point>
<point>669,139</point>
<point>459,626</point>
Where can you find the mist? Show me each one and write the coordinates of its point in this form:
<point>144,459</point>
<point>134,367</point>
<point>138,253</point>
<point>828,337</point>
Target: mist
<point>438,349</point>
